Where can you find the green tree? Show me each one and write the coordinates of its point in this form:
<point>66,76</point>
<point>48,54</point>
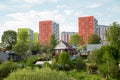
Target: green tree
<point>38,74</point>
<point>6,68</point>
<point>93,57</point>
<point>64,59</point>
<point>113,35</point>
<point>94,39</point>
<point>9,38</point>
<point>23,36</point>
<point>108,66</point>
<point>75,40</point>
<point>112,51</point>
<point>53,42</point>
<point>23,44</point>
<point>21,48</point>
<point>35,48</point>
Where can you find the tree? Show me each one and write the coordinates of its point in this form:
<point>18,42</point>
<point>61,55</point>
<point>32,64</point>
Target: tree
<point>9,38</point>
<point>21,48</point>
<point>53,42</point>
<point>23,36</point>
<point>94,39</point>
<point>93,57</point>
<point>108,66</point>
<point>22,45</point>
<point>38,74</point>
<point>75,40</point>
<point>113,35</point>
<point>63,59</point>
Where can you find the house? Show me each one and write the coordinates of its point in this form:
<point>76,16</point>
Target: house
<point>4,56</point>
<point>91,47</point>
<point>7,56</point>
<point>63,46</point>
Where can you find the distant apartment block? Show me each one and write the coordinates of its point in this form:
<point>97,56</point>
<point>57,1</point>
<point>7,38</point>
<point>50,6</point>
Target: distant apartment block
<point>30,33</point>
<point>36,37</point>
<point>101,32</point>
<point>46,29</point>
<point>87,26</point>
<point>65,36</point>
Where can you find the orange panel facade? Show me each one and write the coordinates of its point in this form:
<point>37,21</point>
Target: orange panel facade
<point>86,27</point>
<point>45,32</point>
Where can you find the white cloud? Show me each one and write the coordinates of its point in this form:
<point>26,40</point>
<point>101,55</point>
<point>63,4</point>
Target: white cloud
<point>68,12</point>
<point>62,6</point>
<point>37,1</point>
<point>95,5</point>
<point>114,9</point>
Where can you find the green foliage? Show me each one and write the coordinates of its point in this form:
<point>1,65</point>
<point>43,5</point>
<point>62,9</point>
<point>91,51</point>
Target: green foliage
<point>6,68</point>
<point>113,35</point>
<point>64,59</point>
<point>53,42</point>
<point>37,74</point>
<point>111,50</point>
<point>21,48</point>
<point>93,57</point>
<point>75,40</point>
<point>79,64</point>
<point>108,67</point>
<point>35,47</point>
<point>23,36</point>
<point>94,39</point>
<point>9,38</point>
<point>83,76</point>
<point>31,60</point>
<point>44,49</point>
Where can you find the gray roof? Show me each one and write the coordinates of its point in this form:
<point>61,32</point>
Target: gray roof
<point>91,47</point>
<point>63,45</point>
<point>4,56</point>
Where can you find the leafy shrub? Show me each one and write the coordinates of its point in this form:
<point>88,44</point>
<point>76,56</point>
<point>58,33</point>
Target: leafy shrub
<point>37,74</point>
<point>31,60</point>
<point>79,65</point>
<point>6,68</point>
<point>64,60</point>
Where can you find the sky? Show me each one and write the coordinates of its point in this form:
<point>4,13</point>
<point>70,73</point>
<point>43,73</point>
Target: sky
<point>16,14</point>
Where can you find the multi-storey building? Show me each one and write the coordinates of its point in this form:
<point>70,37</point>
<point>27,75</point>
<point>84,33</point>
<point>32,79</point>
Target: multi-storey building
<point>65,36</point>
<point>30,35</point>
<point>36,37</point>
<point>101,31</point>
<point>46,29</point>
<point>87,26</point>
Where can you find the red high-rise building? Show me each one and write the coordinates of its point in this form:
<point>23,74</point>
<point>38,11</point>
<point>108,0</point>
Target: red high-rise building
<point>87,26</point>
<point>46,29</point>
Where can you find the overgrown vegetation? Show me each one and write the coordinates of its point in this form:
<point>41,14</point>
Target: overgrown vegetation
<point>38,74</point>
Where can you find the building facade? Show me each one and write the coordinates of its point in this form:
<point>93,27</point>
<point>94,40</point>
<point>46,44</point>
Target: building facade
<point>36,37</point>
<point>30,33</point>
<point>46,29</point>
<point>65,36</point>
<point>87,26</point>
<point>101,31</point>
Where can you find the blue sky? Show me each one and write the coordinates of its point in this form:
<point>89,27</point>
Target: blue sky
<point>27,13</point>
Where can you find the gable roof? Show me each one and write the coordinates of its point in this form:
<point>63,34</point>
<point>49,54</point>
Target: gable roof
<point>63,45</point>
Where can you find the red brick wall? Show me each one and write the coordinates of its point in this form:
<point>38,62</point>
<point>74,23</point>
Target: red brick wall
<point>45,32</point>
<point>86,27</point>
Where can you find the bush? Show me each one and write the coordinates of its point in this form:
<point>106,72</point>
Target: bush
<point>79,65</point>
<point>31,60</point>
<point>37,74</point>
<point>64,61</point>
<point>6,68</point>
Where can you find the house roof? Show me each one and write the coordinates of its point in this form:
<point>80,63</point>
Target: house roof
<point>63,45</point>
<point>91,47</point>
<point>4,56</point>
